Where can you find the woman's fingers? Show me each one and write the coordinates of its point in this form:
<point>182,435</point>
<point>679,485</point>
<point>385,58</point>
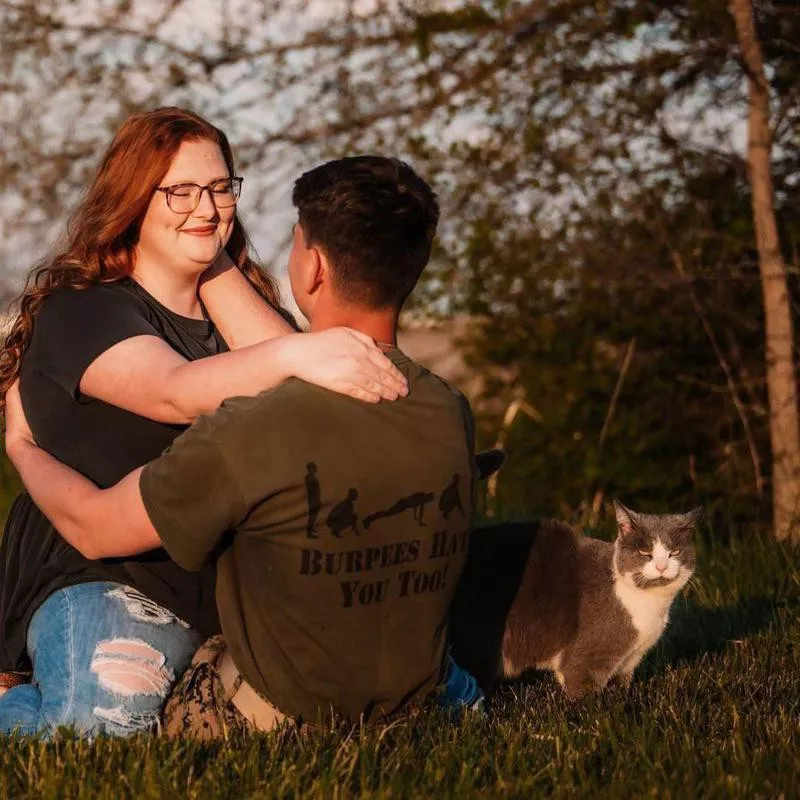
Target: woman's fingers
<point>390,375</point>
<point>364,395</point>
<point>372,390</point>
<point>391,383</point>
<point>385,389</point>
<point>361,336</point>
<point>348,361</point>
<point>388,381</point>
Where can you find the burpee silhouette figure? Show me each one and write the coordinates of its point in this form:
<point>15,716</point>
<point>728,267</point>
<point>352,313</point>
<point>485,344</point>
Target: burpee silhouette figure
<point>314,499</point>
<point>415,502</point>
<point>450,499</point>
<point>343,516</point>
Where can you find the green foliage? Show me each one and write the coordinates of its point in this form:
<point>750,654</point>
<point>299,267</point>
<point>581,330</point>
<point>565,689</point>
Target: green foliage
<point>712,713</point>
<point>586,223</point>
<point>560,316</point>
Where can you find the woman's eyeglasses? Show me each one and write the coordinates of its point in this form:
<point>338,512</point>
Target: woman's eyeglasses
<point>183,198</point>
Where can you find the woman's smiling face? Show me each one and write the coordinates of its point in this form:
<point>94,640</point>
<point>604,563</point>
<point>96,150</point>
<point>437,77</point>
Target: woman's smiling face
<point>187,242</point>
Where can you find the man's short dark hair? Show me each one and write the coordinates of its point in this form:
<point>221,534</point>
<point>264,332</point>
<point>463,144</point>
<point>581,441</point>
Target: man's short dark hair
<point>375,220</point>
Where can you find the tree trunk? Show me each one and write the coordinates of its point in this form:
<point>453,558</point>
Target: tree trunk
<point>781,379</point>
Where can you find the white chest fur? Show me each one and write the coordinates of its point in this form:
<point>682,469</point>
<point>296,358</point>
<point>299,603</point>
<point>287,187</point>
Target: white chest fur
<point>649,611</point>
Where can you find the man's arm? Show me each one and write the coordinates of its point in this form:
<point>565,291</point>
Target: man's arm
<point>184,500</point>
<point>99,523</point>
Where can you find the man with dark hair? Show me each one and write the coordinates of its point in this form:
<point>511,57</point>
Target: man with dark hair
<point>333,591</point>
<point>375,218</point>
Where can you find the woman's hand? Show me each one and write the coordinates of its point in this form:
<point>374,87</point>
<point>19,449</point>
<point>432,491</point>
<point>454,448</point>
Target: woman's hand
<point>345,361</point>
<point>18,433</point>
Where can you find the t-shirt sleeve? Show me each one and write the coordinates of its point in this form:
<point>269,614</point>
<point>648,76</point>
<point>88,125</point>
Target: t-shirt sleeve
<point>469,420</point>
<point>466,412</point>
<point>74,327</point>
<point>192,494</point>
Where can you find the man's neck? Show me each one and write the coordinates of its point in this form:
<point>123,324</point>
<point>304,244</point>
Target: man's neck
<point>380,325</point>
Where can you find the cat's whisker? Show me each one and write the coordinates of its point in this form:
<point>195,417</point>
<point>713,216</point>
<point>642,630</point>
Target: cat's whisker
<point>639,580</point>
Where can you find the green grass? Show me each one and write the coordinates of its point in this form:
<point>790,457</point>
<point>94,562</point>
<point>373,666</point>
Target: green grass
<point>713,712</point>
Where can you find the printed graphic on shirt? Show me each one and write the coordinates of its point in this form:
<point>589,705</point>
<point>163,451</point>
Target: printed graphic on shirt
<point>314,499</point>
<point>415,503</point>
<point>450,499</point>
<point>395,570</point>
<point>343,516</point>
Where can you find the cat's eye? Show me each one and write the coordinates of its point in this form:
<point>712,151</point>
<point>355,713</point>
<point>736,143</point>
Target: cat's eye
<point>645,553</point>
<point>674,552</point>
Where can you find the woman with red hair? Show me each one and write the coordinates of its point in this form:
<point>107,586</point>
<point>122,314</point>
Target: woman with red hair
<point>151,314</point>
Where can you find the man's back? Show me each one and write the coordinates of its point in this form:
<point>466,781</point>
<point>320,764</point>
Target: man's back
<point>335,590</point>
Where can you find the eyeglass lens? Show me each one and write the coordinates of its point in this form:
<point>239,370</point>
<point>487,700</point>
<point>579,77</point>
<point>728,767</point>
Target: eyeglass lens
<point>185,198</point>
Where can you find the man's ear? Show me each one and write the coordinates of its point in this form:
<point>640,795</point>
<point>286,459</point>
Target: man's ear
<point>318,272</point>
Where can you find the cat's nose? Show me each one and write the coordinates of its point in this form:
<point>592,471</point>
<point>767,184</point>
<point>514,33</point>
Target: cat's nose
<point>662,566</point>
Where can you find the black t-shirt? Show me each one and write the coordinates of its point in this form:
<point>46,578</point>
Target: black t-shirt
<point>101,441</point>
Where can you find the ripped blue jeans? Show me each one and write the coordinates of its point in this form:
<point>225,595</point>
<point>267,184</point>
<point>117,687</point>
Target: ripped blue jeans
<point>104,659</point>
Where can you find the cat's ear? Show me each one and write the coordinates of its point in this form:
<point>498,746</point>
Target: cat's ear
<point>626,519</point>
<point>691,518</point>
<point>489,461</point>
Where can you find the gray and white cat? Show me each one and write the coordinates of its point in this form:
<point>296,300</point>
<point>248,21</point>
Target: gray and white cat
<point>537,595</point>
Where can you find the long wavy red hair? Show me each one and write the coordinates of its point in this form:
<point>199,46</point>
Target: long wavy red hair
<point>103,230</point>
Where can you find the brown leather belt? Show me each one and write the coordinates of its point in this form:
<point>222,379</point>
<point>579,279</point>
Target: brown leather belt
<point>258,711</point>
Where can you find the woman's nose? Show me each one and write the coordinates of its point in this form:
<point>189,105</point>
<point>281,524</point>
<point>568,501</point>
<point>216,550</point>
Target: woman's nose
<point>205,206</point>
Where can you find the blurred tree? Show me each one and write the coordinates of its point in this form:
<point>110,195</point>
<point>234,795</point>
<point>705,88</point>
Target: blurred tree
<point>692,411</point>
<point>780,340</point>
<point>588,153</point>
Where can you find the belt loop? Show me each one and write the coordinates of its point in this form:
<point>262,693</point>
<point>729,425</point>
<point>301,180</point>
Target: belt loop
<point>234,689</point>
<point>229,676</point>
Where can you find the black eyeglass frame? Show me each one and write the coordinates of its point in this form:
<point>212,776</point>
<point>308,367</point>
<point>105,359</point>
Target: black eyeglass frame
<point>236,185</point>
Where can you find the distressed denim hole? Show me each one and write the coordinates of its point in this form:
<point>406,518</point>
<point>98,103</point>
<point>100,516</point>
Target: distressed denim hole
<point>142,608</point>
<point>126,721</point>
<point>127,667</point>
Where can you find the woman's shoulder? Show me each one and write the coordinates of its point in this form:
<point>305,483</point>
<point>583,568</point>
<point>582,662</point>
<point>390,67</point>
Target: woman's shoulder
<point>74,326</point>
<point>79,306</point>
<point>119,292</point>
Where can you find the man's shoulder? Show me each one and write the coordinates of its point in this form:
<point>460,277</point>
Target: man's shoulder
<point>241,413</point>
<point>420,375</point>
<point>295,402</point>
<point>415,371</point>
<point>292,393</point>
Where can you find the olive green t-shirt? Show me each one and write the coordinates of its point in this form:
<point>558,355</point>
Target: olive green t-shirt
<point>351,524</point>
